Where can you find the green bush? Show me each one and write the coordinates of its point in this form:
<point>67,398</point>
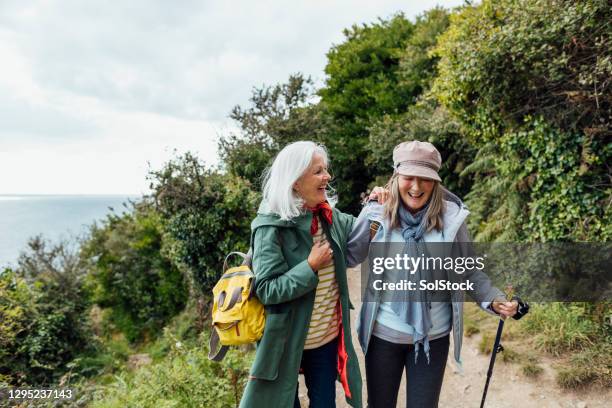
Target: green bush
<point>16,309</point>
<point>131,273</point>
<point>502,61</point>
<point>185,378</point>
<point>43,314</point>
<point>207,214</point>
<point>529,81</point>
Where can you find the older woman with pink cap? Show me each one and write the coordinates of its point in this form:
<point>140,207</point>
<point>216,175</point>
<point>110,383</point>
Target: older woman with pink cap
<point>396,334</point>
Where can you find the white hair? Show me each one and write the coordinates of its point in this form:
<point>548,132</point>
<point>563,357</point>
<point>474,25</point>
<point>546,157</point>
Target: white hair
<point>278,180</point>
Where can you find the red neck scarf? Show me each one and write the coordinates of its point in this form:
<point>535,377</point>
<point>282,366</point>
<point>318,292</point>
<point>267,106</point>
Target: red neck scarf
<point>323,209</point>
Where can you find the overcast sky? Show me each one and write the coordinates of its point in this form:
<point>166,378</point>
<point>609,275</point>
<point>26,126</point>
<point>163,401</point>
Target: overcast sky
<point>92,91</point>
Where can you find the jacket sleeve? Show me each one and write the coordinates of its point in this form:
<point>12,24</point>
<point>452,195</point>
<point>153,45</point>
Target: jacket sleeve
<point>484,292</point>
<point>275,282</point>
<point>358,244</point>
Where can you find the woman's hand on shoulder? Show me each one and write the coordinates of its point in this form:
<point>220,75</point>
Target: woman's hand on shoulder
<point>379,194</point>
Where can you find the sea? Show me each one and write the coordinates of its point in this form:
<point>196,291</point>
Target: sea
<point>55,217</point>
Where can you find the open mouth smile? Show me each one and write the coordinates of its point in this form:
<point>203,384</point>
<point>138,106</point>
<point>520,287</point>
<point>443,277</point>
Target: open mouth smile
<point>416,195</point>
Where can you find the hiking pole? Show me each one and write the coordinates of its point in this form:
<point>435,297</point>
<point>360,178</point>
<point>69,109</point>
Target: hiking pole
<point>497,348</point>
<point>523,308</point>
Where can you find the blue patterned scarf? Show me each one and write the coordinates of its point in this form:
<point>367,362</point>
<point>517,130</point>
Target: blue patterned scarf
<point>416,312</point>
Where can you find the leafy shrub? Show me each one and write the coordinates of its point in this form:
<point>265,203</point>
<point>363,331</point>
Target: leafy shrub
<point>16,308</point>
<point>507,60</point>
<point>185,378</point>
<point>43,314</point>
<point>131,273</point>
<point>529,81</point>
<point>207,214</point>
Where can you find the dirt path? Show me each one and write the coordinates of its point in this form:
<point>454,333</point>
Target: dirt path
<point>508,388</point>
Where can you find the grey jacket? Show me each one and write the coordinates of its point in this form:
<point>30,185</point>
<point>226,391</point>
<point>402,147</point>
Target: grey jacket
<point>455,230</point>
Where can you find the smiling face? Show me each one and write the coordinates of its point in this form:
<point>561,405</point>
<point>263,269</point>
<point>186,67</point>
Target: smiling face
<point>312,184</point>
<point>414,191</point>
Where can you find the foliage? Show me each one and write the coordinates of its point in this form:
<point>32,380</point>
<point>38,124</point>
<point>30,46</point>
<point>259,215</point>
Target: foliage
<point>131,273</point>
<point>418,62</point>
<point>16,307</point>
<point>43,314</point>
<point>207,215</point>
<point>425,121</point>
<point>362,85</point>
<point>277,115</point>
<point>529,80</point>
<point>580,331</point>
<point>521,57</point>
<point>588,368</point>
<point>185,378</point>
<point>362,72</point>
<point>559,328</point>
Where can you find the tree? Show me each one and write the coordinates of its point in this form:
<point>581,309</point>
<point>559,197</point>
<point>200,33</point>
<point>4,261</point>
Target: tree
<point>132,274</point>
<point>362,85</point>
<point>425,121</point>
<point>418,62</point>
<point>43,313</point>
<point>206,215</point>
<point>277,115</point>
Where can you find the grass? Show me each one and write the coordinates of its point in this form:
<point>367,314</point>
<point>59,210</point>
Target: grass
<point>577,335</point>
<point>485,345</point>
<point>559,328</point>
<point>589,367</point>
<point>531,370</point>
<point>180,373</point>
<point>185,378</point>
<point>509,355</point>
<point>471,329</point>
<point>575,377</point>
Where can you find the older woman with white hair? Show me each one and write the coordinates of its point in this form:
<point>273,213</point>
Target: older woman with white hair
<point>299,243</point>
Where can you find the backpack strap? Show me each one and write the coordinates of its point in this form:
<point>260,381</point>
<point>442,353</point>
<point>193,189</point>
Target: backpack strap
<point>374,226</point>
<point>245,258</point>
<point>216,353</point>
<point>236,298</point>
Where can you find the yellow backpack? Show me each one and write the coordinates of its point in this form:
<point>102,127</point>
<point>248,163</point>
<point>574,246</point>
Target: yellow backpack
<point>237,317</point>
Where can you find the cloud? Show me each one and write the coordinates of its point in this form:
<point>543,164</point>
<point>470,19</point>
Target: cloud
<point>96,74</point>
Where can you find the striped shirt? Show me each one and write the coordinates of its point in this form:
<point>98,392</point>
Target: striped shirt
<point>324,325</point>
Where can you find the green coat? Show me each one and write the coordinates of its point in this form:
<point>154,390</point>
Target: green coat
<point>286,285</point>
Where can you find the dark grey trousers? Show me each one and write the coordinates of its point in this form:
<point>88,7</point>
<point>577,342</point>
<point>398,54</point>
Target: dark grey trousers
<point>385,362</point>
